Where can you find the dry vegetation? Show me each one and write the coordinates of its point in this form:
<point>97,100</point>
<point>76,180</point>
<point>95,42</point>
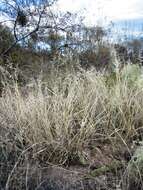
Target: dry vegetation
<point>71,102</point>
<point>71,118</point>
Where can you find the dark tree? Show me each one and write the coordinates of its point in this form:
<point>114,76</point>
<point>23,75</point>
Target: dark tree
<point>26,17</point>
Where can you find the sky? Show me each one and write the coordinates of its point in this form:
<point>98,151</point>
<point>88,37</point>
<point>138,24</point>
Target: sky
<point>127,15</point>
<point>101,10</point>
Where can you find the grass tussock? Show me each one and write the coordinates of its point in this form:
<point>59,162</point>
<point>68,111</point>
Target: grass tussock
<point>61,119</point>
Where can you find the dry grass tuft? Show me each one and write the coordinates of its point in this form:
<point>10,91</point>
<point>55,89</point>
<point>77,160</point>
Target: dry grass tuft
<point>54,122</point>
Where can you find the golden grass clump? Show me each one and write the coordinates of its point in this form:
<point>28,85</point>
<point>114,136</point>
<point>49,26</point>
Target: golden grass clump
<point>56,120</point>
<point>80,103</point>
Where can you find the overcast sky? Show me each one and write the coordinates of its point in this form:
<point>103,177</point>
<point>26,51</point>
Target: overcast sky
<point>96,10</point>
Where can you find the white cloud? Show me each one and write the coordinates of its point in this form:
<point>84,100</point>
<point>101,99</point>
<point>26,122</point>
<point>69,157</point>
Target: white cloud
<point>123,9</point>
<point>100,9</point>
